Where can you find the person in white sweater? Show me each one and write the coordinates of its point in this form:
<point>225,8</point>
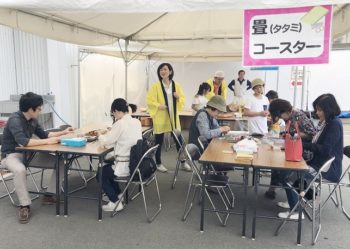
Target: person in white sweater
<point>124,134</point>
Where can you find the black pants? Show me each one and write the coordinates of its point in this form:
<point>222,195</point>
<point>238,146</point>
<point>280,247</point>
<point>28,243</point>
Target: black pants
<point>159,138</point>
<point>109,186</point>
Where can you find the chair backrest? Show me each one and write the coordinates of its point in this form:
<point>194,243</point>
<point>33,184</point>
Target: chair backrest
<point>193,154</point>
<point>346,151</point>
<point>149,137</point>
<point>325,167</point>
<point>179,139</point>
<point>65,126</point>
<point>150,153</point>
<point>203,142</point>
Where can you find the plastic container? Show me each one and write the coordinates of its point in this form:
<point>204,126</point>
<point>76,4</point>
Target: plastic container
<point>74,142</point>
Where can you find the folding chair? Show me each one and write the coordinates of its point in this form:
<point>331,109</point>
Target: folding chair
<point>179,139</point>
<point>9,176</point>
<point>141,182</point>
<point>203,143</point>
<point>343,182</point>
<point>315,185</point>
<point>218,182</point>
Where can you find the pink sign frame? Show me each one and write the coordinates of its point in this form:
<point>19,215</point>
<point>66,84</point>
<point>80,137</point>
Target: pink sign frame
<point>249,61</point>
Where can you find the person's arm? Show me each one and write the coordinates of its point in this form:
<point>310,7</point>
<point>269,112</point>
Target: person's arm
<point>195,103</point>
<point>224,89</point>
<point>231,85</point>
<point>60,133</point>
<point>249,85</point>
<point>195,107</point>
<point>249,113</point>
<point>180,101</point>
<point>307,128</point>
<point>202,124</point>
<point>45,141</point>
<point>331,137</point>
<point>152,103</point>
<point>109,138</point>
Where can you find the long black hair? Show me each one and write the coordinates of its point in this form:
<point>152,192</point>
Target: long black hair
<point>203,87</point>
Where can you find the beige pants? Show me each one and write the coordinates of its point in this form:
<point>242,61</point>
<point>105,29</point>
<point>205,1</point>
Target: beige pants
<point>14,163</point>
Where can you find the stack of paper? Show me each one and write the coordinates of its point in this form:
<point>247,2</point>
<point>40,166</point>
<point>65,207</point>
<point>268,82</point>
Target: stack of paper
<point>246,146</point>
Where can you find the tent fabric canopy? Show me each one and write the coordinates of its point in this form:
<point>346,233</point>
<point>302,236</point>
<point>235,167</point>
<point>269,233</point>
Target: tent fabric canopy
<point>197,29</point>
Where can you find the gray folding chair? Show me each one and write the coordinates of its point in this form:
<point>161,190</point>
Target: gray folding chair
<point>9,177</point>
<point>333,186</point>
<point>314,204</point>
<point>179,139</point>
<point>218,182</point>
<point>203,143</point>
<point>150,153</point>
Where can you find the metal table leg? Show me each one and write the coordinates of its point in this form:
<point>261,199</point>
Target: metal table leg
<point>100,163</point>
<point>255,202</point>
<point>66,166</point>
<point>205,171</point>
<point>58,189</point>
<point>245,189</point>
<point>300,210</point>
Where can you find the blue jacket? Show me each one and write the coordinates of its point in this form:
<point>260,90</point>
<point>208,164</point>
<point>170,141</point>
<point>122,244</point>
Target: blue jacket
<point>329,144</point>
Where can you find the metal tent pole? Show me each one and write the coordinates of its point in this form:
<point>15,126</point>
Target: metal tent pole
<point>303,88</point>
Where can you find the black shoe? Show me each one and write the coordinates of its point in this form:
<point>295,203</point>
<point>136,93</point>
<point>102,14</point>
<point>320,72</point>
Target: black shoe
<point>270,194</point>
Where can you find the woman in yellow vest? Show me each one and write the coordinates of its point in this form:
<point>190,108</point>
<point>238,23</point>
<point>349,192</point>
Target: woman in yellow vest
<point>165,100</point>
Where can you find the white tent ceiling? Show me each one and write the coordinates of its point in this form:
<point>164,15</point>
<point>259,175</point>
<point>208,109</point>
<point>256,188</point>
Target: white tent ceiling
<point>197,29</point>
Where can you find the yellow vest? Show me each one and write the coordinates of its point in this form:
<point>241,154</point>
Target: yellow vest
<point>160,118</point>
<point>223,89</point>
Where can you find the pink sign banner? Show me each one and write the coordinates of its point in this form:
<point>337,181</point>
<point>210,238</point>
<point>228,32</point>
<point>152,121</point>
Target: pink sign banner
<point>287,36</point>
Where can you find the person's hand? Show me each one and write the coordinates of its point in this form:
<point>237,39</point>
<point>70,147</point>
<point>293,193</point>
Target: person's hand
<point>233,108</point>
<point>225,129</point>
<point>264,113</point>
<point>68,130</point>
<point>53,140</point>
<point>176,95</point>
<point>101,132</point>
<point>162,107</point>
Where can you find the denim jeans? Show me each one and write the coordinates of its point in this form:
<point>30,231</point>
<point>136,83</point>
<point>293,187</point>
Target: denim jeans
<point>109,186</point>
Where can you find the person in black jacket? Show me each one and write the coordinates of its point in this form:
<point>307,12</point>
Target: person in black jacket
<point>326,143</point>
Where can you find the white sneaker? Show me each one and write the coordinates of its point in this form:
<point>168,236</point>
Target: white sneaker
<point>283,204</point>
<point>185,166</point>
<point>106,199</point>
<point>294,216</point>
<point>109,207</point>
<point>161,168</point>
<point>121,198</point>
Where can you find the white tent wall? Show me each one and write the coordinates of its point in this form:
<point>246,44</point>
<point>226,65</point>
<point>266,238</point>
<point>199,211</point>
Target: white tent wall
<point>32,63</point>
<point>332,78</point>
<point>63,71</point>
<point>8,82</point>
<point>102,80</point>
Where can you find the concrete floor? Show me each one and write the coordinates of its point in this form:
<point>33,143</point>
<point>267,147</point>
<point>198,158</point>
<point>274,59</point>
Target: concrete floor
<point>129,229</point>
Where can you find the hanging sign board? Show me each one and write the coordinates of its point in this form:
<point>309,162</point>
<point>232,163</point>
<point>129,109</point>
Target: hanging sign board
<point>287,36</point>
